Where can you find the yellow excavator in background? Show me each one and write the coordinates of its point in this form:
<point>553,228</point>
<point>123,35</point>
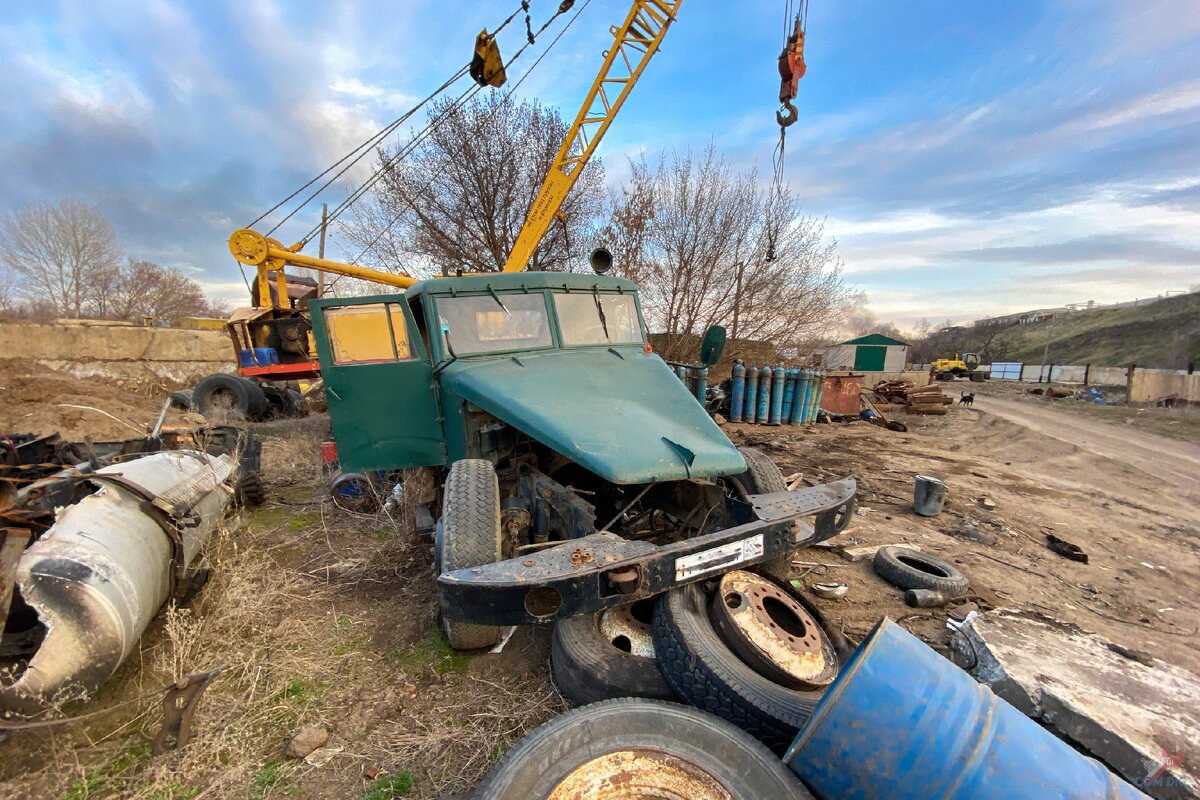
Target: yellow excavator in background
<point>965,365</point>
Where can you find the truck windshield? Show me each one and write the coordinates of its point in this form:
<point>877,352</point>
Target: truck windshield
<point>494,323</point>
<point>596,318</point>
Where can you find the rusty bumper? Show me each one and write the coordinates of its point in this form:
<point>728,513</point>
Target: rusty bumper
<point>602,570</point>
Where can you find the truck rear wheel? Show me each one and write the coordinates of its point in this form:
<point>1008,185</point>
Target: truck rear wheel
<point>762,476</point>
<point>222,394</point>
<point>468,536</point>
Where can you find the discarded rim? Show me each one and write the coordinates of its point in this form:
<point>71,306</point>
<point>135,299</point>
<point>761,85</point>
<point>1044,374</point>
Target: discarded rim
<point>638,773</point>
<point>627,627</point>
<point>772,632</point>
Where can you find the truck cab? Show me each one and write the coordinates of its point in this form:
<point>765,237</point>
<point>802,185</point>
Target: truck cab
<point>559,464</point>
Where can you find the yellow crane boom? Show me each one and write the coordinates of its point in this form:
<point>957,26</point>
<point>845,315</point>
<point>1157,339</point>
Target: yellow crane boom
<point>635,42</point>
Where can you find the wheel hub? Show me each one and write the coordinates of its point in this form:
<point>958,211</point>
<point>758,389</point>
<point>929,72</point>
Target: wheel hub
<point>625,631</point>
<point>772,632</point>
<point>630,774</point>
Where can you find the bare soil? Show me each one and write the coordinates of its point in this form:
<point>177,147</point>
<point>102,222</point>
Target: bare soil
<point>36,399</point>
<point>321,617</point>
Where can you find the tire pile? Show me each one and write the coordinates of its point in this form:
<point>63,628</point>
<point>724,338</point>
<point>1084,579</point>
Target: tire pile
<point>234,396</point>
<point>669,686</point>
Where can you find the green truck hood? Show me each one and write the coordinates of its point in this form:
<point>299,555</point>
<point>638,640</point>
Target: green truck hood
<point>620,413</point>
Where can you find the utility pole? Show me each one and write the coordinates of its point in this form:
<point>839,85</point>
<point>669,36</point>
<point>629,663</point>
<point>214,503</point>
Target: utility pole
<point>1046,350</point>
<point>737,299</point>
<point>321,249</point>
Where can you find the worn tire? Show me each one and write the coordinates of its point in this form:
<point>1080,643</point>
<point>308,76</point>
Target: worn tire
<point>762,476</point>
<point>707,674</point>
<point>469,536</point>
<point>540,762</point>
<point>250,491</point>
<point>229,392</point>
<point>182,400</point>
<point>911,569</point>
<point>588,668</point>
<point>299,408</point>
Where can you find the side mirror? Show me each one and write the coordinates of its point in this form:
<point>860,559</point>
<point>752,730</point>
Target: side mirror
<point>601,260</point>
<point>712,346</point>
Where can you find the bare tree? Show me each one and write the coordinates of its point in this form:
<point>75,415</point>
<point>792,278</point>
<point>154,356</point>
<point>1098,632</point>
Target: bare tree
<point>59,252</point>
<point>708,246</point>
<point>145,289</point>
<point>460,198</point>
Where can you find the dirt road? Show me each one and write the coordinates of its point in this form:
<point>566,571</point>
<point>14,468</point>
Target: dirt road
<point>1176,462</point>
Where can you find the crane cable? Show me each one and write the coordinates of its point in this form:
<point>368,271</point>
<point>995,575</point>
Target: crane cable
<point>378,173</point>
<point>489,118</point>
<point>791,70</point>
<point>373,140</point>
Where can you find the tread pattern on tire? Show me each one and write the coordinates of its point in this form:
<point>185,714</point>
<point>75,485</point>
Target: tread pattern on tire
<point>250,491</point>
<point>704,672</point>
<point>763,476</point>
<point>538,763</point>
<point>588,669</point>
<point>470,537</point>
<point>887,565</point>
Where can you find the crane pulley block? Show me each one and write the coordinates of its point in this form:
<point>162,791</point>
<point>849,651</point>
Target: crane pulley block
<point>791,70</point>
<point>487,66</point>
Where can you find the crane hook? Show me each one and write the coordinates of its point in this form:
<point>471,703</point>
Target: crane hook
<point>789,118</point>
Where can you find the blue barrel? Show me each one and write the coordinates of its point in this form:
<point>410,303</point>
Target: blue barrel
<point>682,372</point>
<point>789,394</point>
<point>777,394</point>
<point>739,392</point>
<point>751,395</point>
<point>804,383</point>
<point>818,389</point>
<point>701,376</point>
<point>764,395</point>
<point>902,722</point>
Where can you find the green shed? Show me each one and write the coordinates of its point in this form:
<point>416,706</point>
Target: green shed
<point>871,353</point>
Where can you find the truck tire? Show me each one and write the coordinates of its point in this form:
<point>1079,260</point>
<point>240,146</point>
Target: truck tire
<point>469,535</point>
<point>707,674</point>
<point>230,393</point>
<point>912,569</point>
<point>639,748</point>
<point>250,491</point>
<point>762,476</point>
<point>589,666</point>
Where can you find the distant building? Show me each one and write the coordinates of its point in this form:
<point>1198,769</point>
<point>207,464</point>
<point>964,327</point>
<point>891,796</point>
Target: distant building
<point>871,353</point>
<point>1023,317</point>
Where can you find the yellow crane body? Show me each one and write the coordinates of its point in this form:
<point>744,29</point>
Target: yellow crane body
<point>634,43</point>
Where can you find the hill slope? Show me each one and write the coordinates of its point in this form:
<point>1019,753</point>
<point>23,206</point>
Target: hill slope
<point>1162,335</point>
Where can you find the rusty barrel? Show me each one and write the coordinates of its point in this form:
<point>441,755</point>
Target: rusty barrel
<point>902,722</point>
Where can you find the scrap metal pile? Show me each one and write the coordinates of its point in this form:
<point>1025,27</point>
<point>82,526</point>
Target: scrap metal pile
<point>94,538</point>
<point>927,400</point>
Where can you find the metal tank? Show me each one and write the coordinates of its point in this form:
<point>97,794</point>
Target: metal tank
<point>751,411</point>
<point>776,395</point>
<point>764,395</point>
<point>738,399</point>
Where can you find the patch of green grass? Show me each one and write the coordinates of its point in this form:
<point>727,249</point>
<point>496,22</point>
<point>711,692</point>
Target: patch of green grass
<point>272,779</point>
<point>92,783</point>
<point>389,787</point>
<point>175,791</point>
<point>431,651</point>
<point>271,517</point>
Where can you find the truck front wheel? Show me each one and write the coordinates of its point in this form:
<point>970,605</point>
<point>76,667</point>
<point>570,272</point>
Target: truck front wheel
<point>468,536</point>
<point>762,476</point>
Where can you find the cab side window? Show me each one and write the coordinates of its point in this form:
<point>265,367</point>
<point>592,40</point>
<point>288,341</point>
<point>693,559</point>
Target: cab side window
<point>368,334</point>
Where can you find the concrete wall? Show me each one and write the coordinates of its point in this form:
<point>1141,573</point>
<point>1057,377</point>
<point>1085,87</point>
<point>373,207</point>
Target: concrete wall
<point>85,350</point>
<point>1152,385</point>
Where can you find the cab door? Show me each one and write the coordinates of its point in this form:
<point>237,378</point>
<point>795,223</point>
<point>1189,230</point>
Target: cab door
<point>379,384</point>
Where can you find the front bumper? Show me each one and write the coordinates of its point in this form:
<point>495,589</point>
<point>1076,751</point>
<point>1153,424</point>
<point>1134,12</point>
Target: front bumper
<point>603,570</point>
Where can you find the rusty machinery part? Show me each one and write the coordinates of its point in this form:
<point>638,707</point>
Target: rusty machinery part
<point>99,575</point>
<point>635,748</point>
<point>912,569</point>
<point>179,708</point>
<point>762,476</point>
<point>179,701</point>
<point>606,655</point>
<point>706,673</point>
<point>769,629</point>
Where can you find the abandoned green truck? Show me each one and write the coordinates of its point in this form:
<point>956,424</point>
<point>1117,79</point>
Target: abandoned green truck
<point>561,466</point>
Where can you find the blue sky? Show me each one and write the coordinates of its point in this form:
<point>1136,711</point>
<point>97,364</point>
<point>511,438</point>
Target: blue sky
<point>971,158</point>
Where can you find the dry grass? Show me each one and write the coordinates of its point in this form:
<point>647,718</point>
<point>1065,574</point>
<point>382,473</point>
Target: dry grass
<point>318,617</point>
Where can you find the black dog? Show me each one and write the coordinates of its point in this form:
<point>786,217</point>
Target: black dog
<point>966,399</point>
